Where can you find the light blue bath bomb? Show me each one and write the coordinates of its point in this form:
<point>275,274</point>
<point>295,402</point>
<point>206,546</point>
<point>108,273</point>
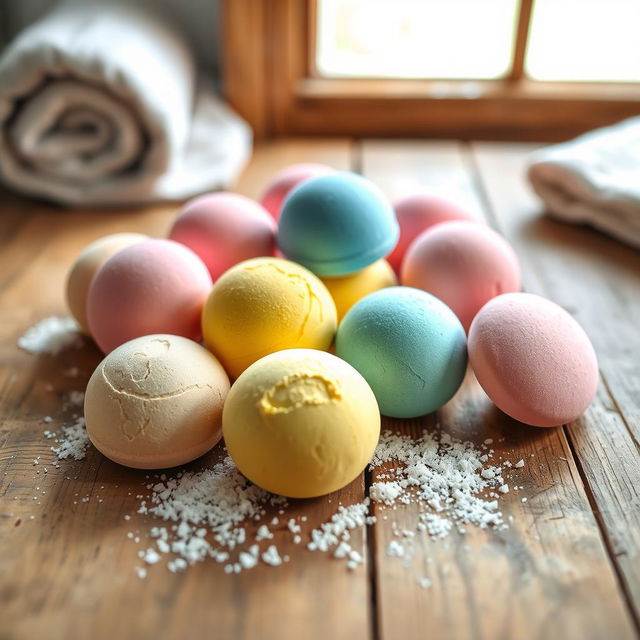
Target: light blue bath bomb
<point>409,346</point>
<point>337,224</point>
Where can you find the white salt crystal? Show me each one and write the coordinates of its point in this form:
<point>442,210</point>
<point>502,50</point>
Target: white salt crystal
<point>519,464</point>
<point>51,336</point>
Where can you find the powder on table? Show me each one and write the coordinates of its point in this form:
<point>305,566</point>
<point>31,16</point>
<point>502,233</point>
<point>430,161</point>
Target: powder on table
<point>73,443</point>
<point>51,336</point>
<point>448,478</point>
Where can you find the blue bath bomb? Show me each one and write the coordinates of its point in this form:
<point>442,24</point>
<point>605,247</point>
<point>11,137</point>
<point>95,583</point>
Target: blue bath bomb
<point>337,224</point>
<point>409,346</point>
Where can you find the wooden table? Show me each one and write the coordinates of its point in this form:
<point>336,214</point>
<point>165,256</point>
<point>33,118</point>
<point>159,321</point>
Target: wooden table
<point>567,567</point>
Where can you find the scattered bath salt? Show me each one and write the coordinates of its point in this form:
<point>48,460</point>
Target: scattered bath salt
<point>264,533</point>
<point>142,572</point>
<point>151,556</point>
<point>179,564</point>
<point>293,526</point>
<point>425,583</point>
<point>519,464</point>
<point>51,336</point>
<point>272,557</point>
<point>523,500</point>
<point>73,443</point>
<point>395,549</point>
<point>47,420</point>
<point>488,441</point>
<point>74,399</point>
<point>211,513</point>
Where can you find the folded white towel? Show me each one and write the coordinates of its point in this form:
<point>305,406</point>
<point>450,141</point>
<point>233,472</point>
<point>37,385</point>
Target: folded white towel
<point>99,105</point>
<point>594,179</point>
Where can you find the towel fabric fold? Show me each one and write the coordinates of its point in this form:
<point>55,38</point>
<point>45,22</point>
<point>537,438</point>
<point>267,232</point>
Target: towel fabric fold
<point>594,179</point>
<point>100,105</point>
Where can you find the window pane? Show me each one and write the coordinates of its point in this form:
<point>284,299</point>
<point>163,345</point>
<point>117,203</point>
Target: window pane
<point>585,40</point>
<point>415,38</point>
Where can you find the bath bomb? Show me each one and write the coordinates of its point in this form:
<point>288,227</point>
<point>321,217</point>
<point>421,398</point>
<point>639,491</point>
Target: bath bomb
<point>409,346</point>
<point>154,286</point>
<point>265,305</point>
<point>337,224</point>
<point>91,258</point>
<point>156,402</point>
<point>533,359</point>
<point>284,181</point>
<point>301,423</point>
<point>418,212</point>
<point>224,229</point>
<point>347,290</point>
<point>462,263</point>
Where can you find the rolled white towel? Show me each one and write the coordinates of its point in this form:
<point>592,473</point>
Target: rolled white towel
<point>100,105</point>
<point>594,179</point>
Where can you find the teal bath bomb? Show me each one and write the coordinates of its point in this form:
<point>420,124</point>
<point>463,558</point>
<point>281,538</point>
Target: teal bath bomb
<point>337,224</point>
<point>409,346</point>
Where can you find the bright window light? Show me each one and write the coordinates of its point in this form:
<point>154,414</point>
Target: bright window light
<point>444,39</point>
<point>585,40</point>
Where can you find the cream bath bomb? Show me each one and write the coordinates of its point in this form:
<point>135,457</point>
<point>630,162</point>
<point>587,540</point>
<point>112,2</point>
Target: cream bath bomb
<point>347,290</point>
<point>265,305</point>
<point>462,263</point>
<point>301,423</point>
<point>155,286</point>
<point>91,258</point>
<point>533,359</point>
<point>156,402</point>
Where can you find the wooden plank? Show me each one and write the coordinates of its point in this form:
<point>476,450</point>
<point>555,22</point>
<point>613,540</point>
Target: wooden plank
<point>549,573</point>
<point>598,280</point>
<point>69,570</point>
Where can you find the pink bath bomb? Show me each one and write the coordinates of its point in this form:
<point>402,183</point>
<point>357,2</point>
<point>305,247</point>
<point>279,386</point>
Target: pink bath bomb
<point>154,286</point>
<point>287,179</point>
<point>417,213</point>
<point>224,229</point>
<point>462,263</point>
<point>533,359</point>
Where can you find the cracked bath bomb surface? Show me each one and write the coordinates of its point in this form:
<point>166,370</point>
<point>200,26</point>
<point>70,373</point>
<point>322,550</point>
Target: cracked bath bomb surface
<point>301,423</point>
<point>265,305</point>
<point>409,346</point>
<point>156,402</point>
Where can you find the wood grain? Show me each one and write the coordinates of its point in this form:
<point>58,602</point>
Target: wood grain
<point>69,570</point>
<point>598,280</point>
<point>549,573</point>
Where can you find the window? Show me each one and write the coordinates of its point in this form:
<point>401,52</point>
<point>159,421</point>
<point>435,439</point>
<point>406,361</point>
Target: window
<point>490,69</point>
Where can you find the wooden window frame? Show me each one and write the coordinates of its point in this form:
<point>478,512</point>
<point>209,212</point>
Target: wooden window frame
<point>268,49</point>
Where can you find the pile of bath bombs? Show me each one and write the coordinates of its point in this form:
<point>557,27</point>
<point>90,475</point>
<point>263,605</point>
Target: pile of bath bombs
<point>280,325</point>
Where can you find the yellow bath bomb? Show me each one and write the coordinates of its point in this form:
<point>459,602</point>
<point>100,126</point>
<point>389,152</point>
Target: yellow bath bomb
<point>347,290</point>
<point>90,259</point>
<point>265,305</point>
<point>301,423</point>
<point>156,402</point>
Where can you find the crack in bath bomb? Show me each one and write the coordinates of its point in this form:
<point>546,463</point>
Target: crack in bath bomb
<point>265,305</point>
<point>156,402</point>
<point>301,423</point>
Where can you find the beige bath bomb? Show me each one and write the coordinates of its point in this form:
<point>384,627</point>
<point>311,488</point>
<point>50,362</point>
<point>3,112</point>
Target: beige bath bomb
<point>90,259</point>
<point>156,402</point>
